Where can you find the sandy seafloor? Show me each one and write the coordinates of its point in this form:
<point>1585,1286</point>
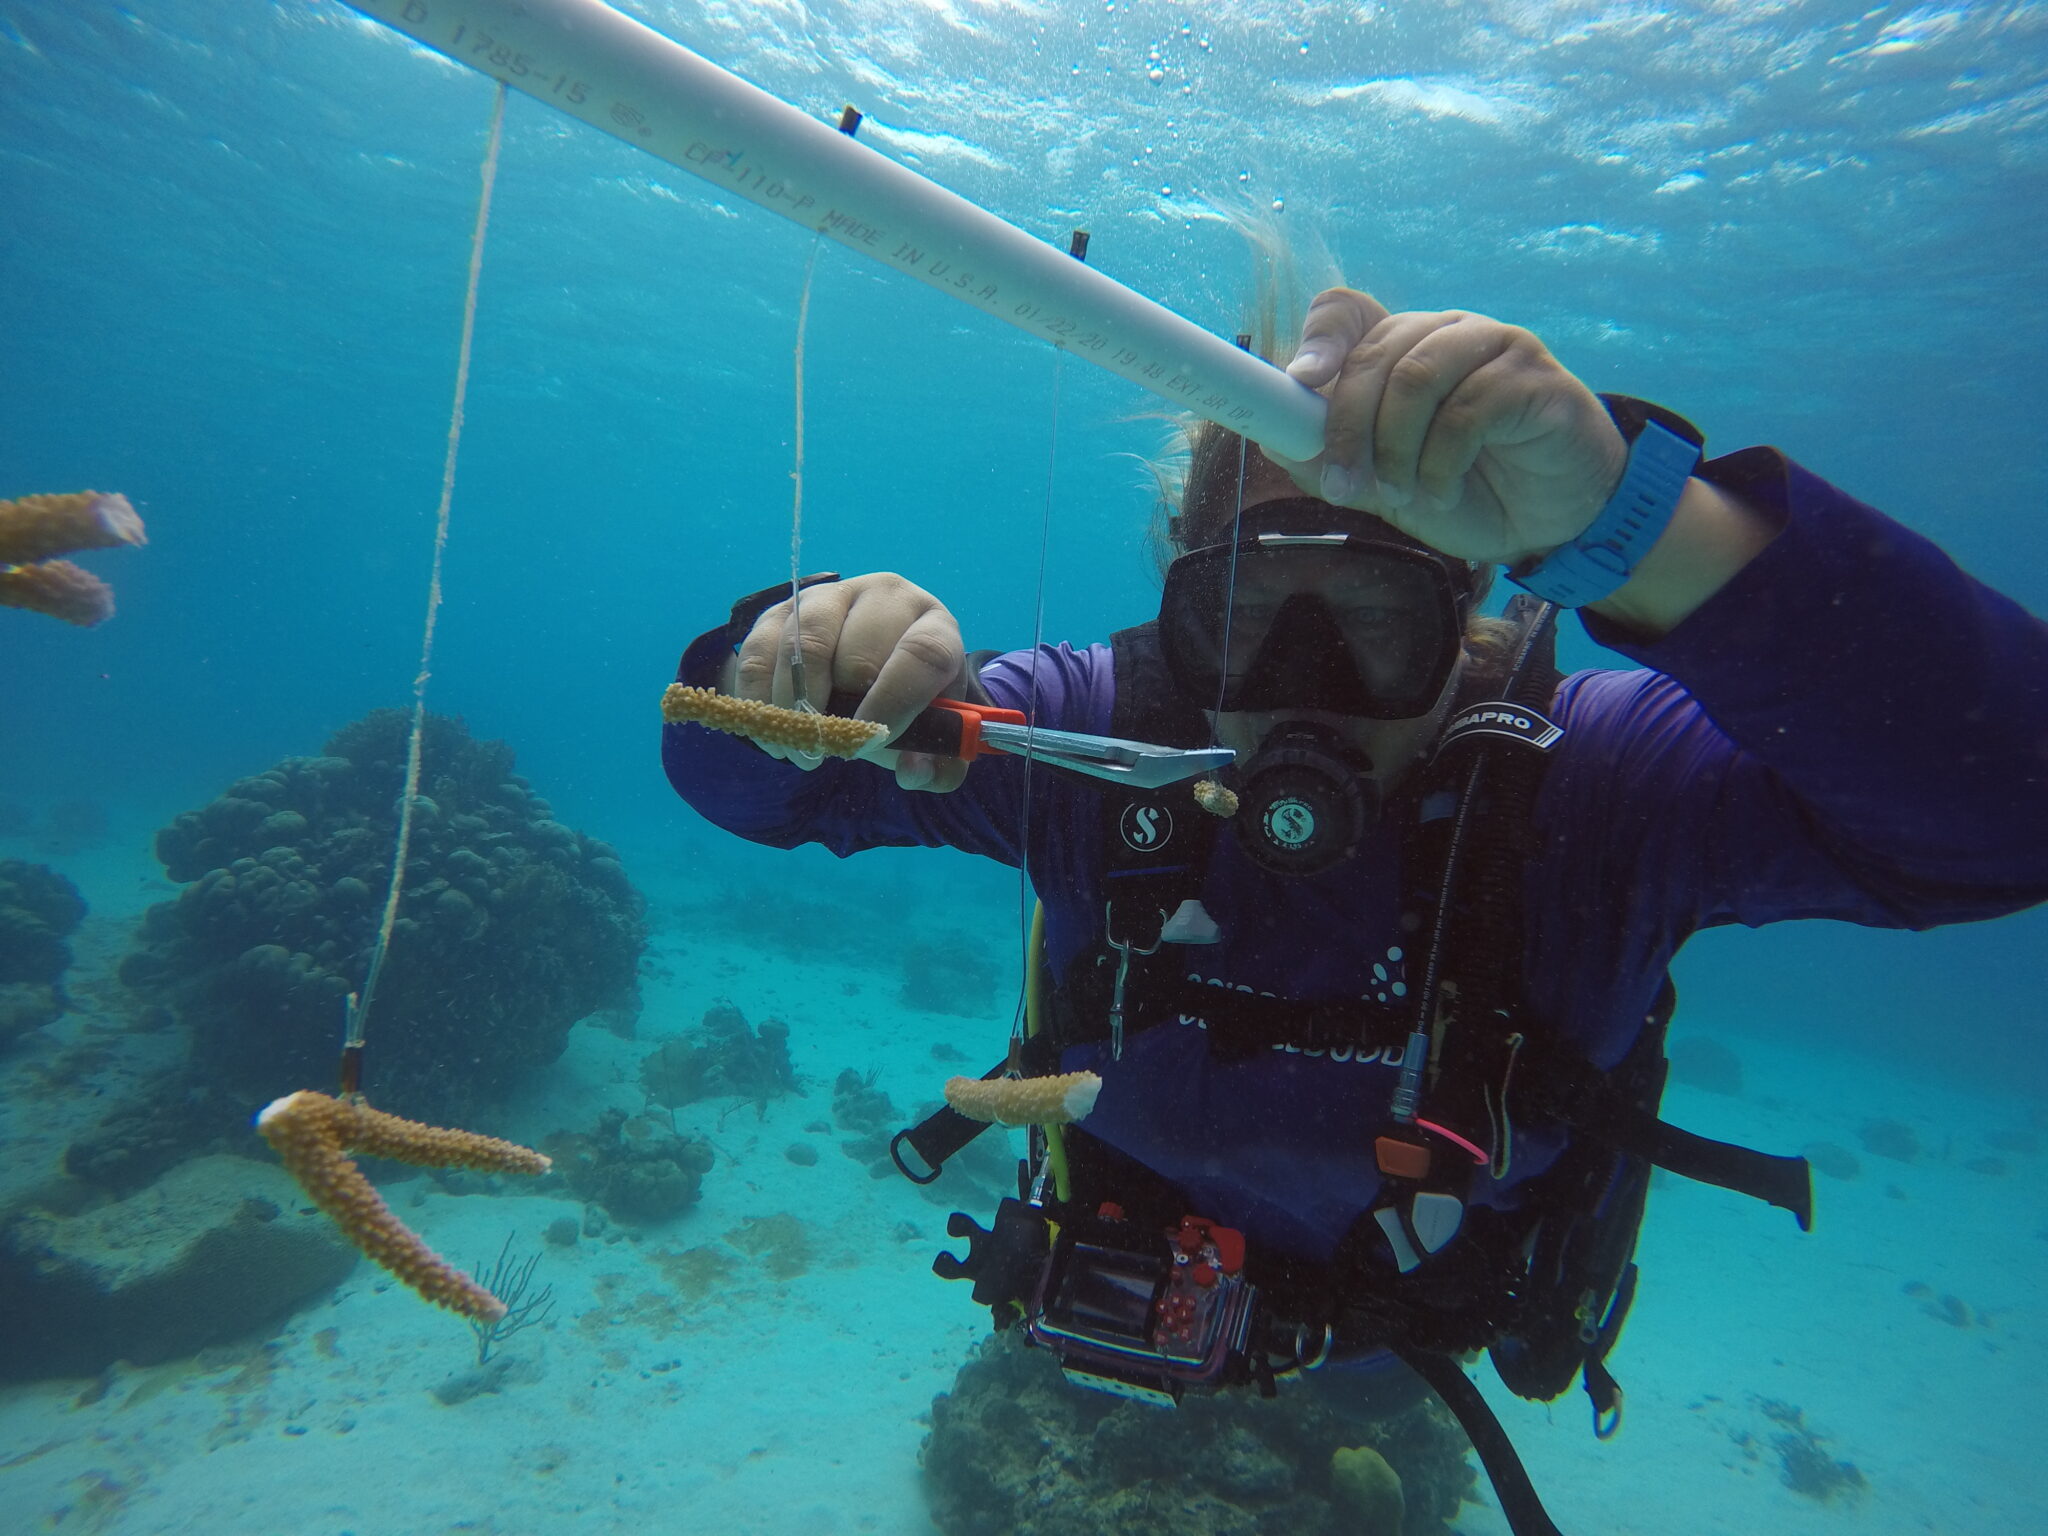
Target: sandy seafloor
<point>797,1406</point>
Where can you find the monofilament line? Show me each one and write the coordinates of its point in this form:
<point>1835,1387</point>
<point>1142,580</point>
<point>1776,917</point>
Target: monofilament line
<point>1026,894</point>
<point>798,683</point>
<point>359,1012</point>
<point>1230,585</point>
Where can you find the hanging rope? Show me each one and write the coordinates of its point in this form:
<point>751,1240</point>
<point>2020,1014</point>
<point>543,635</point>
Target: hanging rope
<point>312,1134</point>
<point>359,1004</point>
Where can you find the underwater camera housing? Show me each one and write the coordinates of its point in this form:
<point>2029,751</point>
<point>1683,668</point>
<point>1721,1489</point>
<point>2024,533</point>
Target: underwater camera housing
<point>1145,1314</point>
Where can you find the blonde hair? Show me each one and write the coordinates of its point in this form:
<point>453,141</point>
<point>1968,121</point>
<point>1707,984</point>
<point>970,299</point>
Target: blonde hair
<point>1198,473</point>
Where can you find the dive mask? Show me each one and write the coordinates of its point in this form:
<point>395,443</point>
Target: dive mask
<point>1314,607</point>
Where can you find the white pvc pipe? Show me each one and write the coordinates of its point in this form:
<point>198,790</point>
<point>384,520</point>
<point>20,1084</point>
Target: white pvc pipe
<point>586,59</point>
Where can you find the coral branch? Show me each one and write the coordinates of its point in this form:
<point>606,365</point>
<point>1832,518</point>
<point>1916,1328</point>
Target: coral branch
<point>59,589</point>
<point>314,1134</point>
<point>1025,1100</point>
<point>800,730</point>
<point>37,527</point>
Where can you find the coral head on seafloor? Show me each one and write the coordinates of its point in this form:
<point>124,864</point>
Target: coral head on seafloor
<point>1017,1450</point>
<point>723,1057</point>
<point>635,1169</point>
<point>511,928</point>
<point>39,911</point>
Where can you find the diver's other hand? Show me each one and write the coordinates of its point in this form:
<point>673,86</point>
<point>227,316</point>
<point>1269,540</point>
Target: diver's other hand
<point>1460,430</point>
<point>879,636</point>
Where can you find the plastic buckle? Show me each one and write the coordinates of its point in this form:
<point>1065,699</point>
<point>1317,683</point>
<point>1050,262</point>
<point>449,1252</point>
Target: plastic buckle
<point>1401,1159</point>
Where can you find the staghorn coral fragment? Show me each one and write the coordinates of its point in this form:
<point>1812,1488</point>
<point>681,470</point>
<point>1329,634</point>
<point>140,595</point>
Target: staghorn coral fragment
<point>57,588</point>
<point>37,527</point>
<point>313,1135</point>
<point>1058,1100</point>
<point>799,730</point>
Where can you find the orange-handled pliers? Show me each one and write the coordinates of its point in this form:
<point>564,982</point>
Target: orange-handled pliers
<point>954,728</point>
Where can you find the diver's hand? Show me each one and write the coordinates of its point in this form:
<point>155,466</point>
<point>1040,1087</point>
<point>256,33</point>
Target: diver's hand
<point>878,636</point>
<point>1461,431</point>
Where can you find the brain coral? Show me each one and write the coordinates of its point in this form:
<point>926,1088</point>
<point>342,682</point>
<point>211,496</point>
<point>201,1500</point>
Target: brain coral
<point>512,926</point>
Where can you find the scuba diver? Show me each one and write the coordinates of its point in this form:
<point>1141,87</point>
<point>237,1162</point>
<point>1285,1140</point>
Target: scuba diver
<point>1378,1010</point>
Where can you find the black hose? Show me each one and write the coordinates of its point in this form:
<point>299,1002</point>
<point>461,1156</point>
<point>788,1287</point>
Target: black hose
<point>1525,1513</point>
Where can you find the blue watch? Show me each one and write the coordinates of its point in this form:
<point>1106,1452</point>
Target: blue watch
<point>1664,449</point>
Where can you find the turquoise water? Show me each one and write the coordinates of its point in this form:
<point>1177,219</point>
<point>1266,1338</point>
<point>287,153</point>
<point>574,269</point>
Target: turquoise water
<point>231,277</point>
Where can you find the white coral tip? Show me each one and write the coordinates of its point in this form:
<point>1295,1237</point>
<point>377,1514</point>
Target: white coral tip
<point>276,1107</point>
<point>1080,1098</point>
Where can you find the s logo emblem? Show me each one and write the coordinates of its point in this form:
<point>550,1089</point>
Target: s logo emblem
<point>1145,826</point>
<point>1290,823</point>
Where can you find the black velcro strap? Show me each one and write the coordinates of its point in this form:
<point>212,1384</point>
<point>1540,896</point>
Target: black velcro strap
<point>1786,1182</point>
<point>938,1136</point>
<point>1585,1101</point>
<point>935,1138</point>
<point>945,1131</point>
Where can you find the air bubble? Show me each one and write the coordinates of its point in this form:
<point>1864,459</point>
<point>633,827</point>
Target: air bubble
<point>1279,205</point>
<point>1155,75</point>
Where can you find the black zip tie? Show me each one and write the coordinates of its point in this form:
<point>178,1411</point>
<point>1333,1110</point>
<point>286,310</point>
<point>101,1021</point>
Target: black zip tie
<point>849,121</point>
<point>1244,341</point>
<point>1077,246</point>
<point>351,1071</point>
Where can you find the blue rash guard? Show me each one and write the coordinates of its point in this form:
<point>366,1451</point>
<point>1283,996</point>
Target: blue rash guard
<point>1852,728</point>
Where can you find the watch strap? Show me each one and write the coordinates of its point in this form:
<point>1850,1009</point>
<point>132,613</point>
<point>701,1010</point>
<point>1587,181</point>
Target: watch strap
<point>1596,563</point>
